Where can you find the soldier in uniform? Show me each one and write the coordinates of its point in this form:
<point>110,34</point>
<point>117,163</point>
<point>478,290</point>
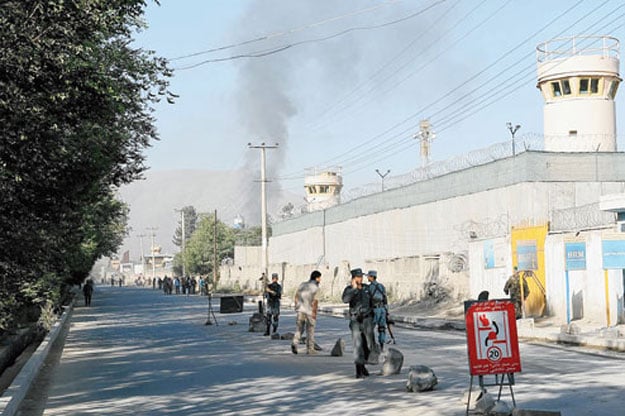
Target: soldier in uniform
<point>380,302</point>
<point>273,293</point>
<point>360,320</point>
<point>513,288</point>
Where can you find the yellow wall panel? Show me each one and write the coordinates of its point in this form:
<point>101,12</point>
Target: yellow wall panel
<point>528,253</point>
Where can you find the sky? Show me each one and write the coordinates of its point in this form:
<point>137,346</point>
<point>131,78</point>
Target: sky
<point>345,83</point>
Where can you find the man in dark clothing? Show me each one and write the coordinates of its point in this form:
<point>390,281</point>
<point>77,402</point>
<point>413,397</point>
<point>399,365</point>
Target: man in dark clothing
<point>273,293</point>
<point>87,291</point>
<point>360,320</point>
<point>380,302</point>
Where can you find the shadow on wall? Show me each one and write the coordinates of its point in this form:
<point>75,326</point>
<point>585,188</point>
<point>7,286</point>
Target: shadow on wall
<point>577,305</point>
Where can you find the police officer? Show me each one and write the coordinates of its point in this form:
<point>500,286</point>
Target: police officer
<point>360,320</point>
<point>273,292</point>
<point>380,302</point>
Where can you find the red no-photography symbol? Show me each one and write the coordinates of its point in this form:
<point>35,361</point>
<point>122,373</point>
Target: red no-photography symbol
<point>494,353</point>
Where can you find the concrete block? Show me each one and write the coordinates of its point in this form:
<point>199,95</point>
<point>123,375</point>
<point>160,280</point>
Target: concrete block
<point>421,378</point>
<point>393,360</point>
<point>338,349</point>
<point>258,323</point>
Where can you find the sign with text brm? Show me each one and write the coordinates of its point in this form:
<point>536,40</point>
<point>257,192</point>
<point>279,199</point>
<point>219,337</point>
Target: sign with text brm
<point>575,256</point>
<point>492,338</point>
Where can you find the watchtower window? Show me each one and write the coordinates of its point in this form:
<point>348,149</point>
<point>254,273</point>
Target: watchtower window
<point>560,88</point>
<point>594,85</point>
<point>613,88</point>
<point>566,87</point>
<point>583,86</point>
<point>589,85</point>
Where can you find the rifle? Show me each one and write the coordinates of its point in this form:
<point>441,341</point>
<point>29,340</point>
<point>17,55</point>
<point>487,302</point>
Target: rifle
<point>389,322</point>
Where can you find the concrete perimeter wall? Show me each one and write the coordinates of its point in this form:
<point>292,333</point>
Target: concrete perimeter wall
<point>396,231</point>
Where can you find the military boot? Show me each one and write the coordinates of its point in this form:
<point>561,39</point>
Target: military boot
<point>359,373</point>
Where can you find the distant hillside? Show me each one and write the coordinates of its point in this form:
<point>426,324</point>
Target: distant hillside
<point>153,202</point>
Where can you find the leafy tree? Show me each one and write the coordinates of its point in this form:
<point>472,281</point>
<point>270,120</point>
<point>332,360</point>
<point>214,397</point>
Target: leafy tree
<point>76,103</point>
<point>249,236</point>
<point>198,252</point>
<point>190,219</point>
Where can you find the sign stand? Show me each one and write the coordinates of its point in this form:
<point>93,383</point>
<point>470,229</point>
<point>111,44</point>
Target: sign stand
<point>493,344</point>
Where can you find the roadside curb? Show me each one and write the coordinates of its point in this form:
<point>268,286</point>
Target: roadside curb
<point>13,396</point>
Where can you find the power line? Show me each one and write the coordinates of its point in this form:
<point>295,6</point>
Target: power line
<point>283,33</point>
<point>415,114</point>
<point>282,48</point>
<point>396,57</point>
<point>423,66</point>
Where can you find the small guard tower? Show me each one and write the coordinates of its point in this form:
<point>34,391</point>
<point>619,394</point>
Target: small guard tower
<point>323,188</point>
<point>578,78</point>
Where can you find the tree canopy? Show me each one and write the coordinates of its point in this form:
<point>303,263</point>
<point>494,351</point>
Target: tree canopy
<point>76,110</point>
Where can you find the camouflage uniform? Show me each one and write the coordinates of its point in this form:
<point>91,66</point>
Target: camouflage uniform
<point>513,288</point>
<point>306,302</point>
<point>273,294</point>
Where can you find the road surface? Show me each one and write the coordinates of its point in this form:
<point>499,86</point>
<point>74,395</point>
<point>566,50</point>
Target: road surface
<point>138,352</point>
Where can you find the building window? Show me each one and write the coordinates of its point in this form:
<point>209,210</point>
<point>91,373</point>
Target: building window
<point>573,134</point>
<point>613,88</point>
<point>583,86</point>
<point>566,87</point>
<point>560,88</point>
<point>589,86</point>
<point>323,189</point>
<point>594,85</point>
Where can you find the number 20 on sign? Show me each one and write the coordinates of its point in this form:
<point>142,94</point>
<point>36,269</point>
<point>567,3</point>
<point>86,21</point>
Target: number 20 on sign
<point>492,338</point>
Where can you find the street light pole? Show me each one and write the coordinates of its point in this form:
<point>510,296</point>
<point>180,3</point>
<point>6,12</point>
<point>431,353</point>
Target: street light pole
<point>383,176</point>
<point>513,130</point>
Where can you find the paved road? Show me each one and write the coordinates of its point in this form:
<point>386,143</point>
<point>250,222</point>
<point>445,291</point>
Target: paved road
<point>138,352</point>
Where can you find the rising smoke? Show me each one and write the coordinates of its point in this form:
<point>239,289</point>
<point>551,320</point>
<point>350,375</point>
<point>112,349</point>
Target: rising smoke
<point>271,90</point>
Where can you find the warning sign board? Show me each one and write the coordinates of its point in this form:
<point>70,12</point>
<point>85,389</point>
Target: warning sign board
<point>492,338</point>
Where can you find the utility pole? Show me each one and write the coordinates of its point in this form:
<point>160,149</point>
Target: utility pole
<point>152,235</point>
<point>383,176</point>
<point>513,130</point>
<point>215,251</point>
<point>263,203</point>
<point>182,241</point>
<point>142,255</point>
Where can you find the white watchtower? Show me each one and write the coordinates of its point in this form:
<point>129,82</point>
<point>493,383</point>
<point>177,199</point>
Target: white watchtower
<point>579,77</point>
<point>323,188</point>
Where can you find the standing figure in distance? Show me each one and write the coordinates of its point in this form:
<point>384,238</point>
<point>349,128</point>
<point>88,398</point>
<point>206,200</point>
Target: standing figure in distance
<point>87,291</point>
<point>513,288</point>
<point>306,302</point>
<point>273,293</point>
<point>380,302</point>
<point>360,320</point>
